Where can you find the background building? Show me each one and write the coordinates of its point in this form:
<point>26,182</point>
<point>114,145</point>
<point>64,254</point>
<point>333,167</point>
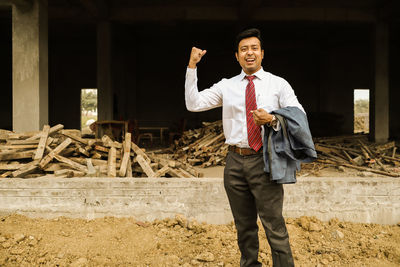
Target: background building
<point>135,53</point>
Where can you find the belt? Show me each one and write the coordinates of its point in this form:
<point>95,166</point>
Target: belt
<point>244,151</point>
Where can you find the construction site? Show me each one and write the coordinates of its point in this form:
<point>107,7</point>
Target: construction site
<point>101,163</point>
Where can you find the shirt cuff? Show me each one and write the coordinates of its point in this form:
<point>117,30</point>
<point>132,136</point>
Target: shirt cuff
<point>277,126</point>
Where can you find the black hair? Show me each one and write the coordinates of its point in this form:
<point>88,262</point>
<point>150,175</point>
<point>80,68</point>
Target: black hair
<point>253,32</point>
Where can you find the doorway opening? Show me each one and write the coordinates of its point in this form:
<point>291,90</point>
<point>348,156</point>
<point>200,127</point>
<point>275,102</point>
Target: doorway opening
<point>361,110</point>
<point>88,109</point>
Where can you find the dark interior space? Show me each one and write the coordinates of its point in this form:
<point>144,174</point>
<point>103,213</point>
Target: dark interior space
<point>6,71</point>
<point>149,64</point>
<point>394,82</point>
<point>72,66</point>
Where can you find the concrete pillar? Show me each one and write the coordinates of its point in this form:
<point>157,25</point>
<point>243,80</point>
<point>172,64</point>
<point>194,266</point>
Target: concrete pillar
<point>30,66</point>
<point>104,77</point>
<point>381,112</point>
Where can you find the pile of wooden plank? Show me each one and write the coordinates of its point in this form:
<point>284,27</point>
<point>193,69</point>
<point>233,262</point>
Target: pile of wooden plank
<point>357,153</point>
<point>64,153</point>
<point>204,146</point>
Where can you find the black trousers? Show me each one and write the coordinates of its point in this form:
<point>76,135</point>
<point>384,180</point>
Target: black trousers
<point>250,192</point>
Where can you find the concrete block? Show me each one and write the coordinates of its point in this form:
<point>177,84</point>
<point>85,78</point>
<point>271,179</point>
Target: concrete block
<point>349,199</point>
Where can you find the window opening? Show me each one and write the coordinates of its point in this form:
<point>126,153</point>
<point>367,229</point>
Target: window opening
<point>88,109</point>
<point>361,110</point>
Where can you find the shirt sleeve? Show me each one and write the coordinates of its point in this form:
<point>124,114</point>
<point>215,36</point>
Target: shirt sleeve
<point>287,97</point>
<point>200,101</point>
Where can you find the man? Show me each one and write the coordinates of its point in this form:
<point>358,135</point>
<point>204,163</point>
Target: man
<point>247,101</point>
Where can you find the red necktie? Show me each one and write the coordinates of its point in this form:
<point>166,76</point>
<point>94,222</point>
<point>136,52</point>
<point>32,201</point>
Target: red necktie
<point>253,131</point>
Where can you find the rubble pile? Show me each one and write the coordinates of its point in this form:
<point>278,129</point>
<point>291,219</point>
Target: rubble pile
<point>204,146</point>
<point>64,153</point>
<point>358,153</point>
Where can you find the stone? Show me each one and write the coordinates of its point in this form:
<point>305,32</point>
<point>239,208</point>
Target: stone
<point>212,234</point>
<point>41,260</point>
<point>172,222</point>
<point>6,244</point>
<point>18,237</point>
<point>33,243</point>
<point>17,251</point>
<point>172,260</point>
<point>182,221</point>
<point>324,261</point>
<point>195,262</point>
<point>79,262</point>
<point>2,239</point>
<point>304,223</point>
<point>205,257</point>
<point>341,168</point>
<point>60,255</point>
<point>337,234</point>
<point>314,227</point>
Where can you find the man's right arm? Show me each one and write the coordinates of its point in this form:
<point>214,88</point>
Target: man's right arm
<point>195,100</point>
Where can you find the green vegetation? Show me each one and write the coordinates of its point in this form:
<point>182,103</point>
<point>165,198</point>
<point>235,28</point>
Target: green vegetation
<point>88,106</point>
<point>361,106</point>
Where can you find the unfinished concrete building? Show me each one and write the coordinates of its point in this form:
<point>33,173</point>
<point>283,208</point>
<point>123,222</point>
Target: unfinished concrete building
<point>135,53</point>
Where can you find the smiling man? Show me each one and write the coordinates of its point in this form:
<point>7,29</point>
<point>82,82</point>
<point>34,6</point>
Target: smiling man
<point>247,101</point>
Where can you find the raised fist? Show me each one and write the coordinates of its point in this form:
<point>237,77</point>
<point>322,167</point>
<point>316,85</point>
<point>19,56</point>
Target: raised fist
<point>195,57</point>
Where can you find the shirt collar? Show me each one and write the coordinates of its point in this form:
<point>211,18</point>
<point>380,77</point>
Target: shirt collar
<point>260,74</point>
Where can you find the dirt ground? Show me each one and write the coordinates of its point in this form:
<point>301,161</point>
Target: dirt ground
<point>178,242</point>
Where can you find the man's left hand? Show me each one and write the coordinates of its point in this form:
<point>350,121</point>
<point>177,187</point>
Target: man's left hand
<point>261,117</point>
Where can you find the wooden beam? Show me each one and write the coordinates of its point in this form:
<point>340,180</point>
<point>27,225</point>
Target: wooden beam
<point>74,137</point>
<point>11,167</point>
<point>71,163</point>
<point>126,155</point>
<point>42,143</point>
<point>129,169</point>
<point>26,169</point>
<point>111,165</point>
<point>16,155</point>
<point>139,151</point>
<point>145,166</point>
<point>54,152</point>
<point>52,130</point>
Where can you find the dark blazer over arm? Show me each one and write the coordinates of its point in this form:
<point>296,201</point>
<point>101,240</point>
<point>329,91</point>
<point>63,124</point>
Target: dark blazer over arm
<point>285,149</point>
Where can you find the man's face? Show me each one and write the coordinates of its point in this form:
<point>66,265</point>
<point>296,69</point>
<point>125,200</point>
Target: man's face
<point>250,55</point>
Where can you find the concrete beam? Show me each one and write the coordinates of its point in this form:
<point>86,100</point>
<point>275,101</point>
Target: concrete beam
<point>381,112</point>
<point>223,13</point>
<point>247,9</point>
<point>30,66</point>
<point>21,4</point>
<point>96,8</point>
<point>389,11</point>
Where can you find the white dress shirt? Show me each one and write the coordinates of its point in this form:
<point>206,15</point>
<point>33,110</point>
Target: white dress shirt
<point>272,93</point>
